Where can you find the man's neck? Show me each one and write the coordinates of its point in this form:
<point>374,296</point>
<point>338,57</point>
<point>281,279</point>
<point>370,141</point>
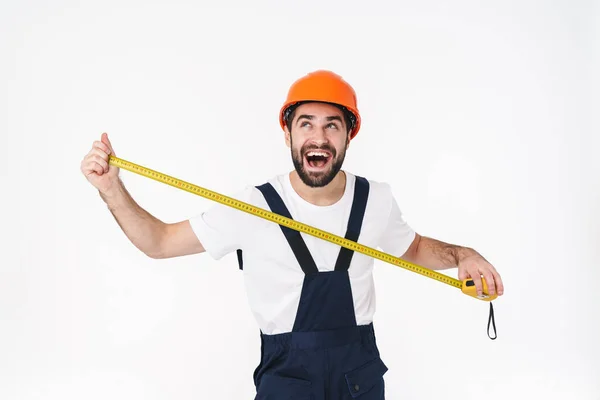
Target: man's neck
<point>320,196</point>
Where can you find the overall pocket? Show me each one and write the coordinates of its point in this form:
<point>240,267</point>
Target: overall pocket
<point>273,387</point>
<point>366,382</point>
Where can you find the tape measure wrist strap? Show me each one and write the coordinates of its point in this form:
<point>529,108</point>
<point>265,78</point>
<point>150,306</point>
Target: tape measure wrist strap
<point>491,320</point>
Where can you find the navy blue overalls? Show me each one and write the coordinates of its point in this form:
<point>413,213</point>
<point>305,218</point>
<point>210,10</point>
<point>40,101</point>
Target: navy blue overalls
<point>327,356</point>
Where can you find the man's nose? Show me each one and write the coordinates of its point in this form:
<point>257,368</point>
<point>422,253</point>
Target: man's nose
<point>319,136</point>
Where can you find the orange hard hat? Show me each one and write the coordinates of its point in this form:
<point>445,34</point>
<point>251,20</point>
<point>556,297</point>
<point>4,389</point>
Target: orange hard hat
<point>323,86</point>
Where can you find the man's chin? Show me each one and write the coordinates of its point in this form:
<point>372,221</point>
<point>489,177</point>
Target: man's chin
<point>316,178</point>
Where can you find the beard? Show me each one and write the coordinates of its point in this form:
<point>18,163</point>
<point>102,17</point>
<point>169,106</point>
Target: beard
<point>322,178</point>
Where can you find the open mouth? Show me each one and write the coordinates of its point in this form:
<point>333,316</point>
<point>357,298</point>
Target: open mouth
<point>317,159</point>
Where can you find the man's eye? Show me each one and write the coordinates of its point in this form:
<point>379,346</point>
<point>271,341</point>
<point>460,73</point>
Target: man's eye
<point>305,123</point>
<point>332,125</point>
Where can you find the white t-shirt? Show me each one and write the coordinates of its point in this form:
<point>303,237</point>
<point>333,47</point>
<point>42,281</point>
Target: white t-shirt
<point>272,275</point>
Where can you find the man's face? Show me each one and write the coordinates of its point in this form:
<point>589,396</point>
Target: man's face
<point>318,142</point>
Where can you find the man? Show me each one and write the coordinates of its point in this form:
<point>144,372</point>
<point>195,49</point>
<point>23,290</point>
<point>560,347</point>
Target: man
<point>313,301</point>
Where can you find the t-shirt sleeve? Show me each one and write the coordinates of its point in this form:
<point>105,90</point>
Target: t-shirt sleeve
<point>398,234</point>
<point>221,229</point>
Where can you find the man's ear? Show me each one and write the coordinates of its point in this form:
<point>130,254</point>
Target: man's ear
<point>287,137</point>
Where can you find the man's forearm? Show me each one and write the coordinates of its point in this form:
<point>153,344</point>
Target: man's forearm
<point>142,228</point>
<point>434,254</point>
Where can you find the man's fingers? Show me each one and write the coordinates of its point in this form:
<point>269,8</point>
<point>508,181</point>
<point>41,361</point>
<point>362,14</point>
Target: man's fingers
<point>91,167</point>
<point>478,270</point>
<point>94,162</point>
<point>476,276</point>
<point>499,284</point>
<point>99,152</point>
<point>98,168</point>
<point>98,156</point>
<point>100,160</point>
<point>489,280</point>
<point>102,146</point>
<point>106,141</point>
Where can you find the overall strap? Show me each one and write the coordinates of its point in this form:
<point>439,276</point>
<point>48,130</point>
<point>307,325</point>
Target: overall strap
<point>293,237</point>
<point>359,204</point>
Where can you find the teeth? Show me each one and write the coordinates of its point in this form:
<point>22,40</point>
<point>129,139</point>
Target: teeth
<point>317,153</point>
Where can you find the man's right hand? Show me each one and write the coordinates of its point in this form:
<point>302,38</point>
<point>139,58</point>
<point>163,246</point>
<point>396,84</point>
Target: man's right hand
<point>148,233</point>
<point>96,169</point>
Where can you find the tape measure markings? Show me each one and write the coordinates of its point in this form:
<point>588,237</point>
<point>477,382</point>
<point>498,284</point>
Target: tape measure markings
<point>279,219</point>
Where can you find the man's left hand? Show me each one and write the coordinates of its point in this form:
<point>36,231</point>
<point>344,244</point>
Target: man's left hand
<point>473,266</point>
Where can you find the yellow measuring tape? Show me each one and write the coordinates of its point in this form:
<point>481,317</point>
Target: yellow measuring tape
<point>467,286</point>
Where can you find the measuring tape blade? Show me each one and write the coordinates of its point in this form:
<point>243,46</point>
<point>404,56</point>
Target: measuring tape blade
<point>467,286</point>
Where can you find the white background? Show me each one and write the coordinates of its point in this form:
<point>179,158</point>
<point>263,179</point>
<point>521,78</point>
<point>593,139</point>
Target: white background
<point>479,116</point>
